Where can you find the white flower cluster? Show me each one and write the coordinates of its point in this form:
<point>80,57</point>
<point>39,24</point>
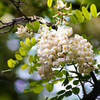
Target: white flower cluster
<point>57,47</point>
<point>23,32</point>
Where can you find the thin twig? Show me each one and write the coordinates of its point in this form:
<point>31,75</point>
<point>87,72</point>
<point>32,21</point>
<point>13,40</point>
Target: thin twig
<point>84,92</point>
<point>21,20</point>
<point>17,7</point>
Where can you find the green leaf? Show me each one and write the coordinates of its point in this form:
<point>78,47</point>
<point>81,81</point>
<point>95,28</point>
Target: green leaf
<point>79,15</point>
<point>75,90</point>
<point>49,87</point>
<point>68,87</point>
<point>66,81</point>
<point>98,51</point>
<point>28,42</point>
<point>60,97</point>
<point>22,51</point>
<point>23,44</point>
<point>23,67</point>
<point>38,89</point>
<point>61,92</point>
<point>33,41</point>
<point>76,82</point>
<point>11,63</point>
<point>54,98</point>
<point>85,12</point>
<point>98,66</point>
<point>30,59</point>
<point>27,90</point>
<point>73,19</point>
<point>30,26</point>
<point>49,3</point>
<point>60,74</point>
<point>87,77</point>
<point>96,71</point>
<point>30,70</point>
<point>18,57</point>
<point>68,93</point>
<point>93,10</point>
<point>36,25</point>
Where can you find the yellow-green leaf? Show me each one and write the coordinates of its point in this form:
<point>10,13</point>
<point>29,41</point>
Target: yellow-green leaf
<point>49,87</point>
<point>93,10</point>
<point>49,3</point>
<point>18,57</point>
<point>28,42</point>
<point>36,25</point>
<point>79,15</point>
<point>30,59</point>
<point>22,51</point>
<point>73,19</point>
<point>33,41</point>
<point>11,63</point>
<point>23,44</point>
<point>23,67</point>
<point>85,12</point>
<point>38,89</point>
<point>31,68</point>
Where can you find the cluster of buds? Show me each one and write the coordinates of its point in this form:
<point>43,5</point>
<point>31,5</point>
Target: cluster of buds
<point>57,47</point>
<point>61,8</point>
<point>24,32</point>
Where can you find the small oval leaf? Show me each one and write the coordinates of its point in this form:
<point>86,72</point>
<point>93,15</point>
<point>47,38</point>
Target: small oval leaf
<point>93,10</point>
<point>75,90</point>
<point>85,12</point>
<point>23,67</point>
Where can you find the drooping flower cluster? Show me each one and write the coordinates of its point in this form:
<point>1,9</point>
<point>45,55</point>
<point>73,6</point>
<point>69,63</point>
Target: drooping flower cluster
<point>23,32</point>
<point>57,47</point>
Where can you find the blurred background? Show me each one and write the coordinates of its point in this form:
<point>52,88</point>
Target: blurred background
<point>12,83</point>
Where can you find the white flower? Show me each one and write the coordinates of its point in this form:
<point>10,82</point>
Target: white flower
<point>56,47</point>
<point>23,32</point>
<point>60,4</point>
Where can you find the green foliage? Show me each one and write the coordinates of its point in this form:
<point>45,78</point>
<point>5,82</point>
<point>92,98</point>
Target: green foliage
<point>49,87</point>
<point>76,82</point>
<point>28,42</point>
<point>98,66</point>
<point>93,10</point>
<point>23,44</point>
<point>23,67</point>
<point>75,90</point>
<point>68,93</point>
<point>61,92</point>
<point>79,15</point>
<point>30,26</point>
<point>34,25</point>
<point>68,87</point>
<point>33,41</point>
<point>18,57</point>
<point>22,51</point>
<point>11,63</point>
<point>49,3</point>
<point>98,51</point>
<point>38,89</point>
<point>73,19</point>
<point>30,59</point>
<point>85,12</point>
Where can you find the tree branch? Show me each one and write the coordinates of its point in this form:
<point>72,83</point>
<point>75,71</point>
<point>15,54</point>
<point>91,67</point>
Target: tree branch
<point>23,20</point>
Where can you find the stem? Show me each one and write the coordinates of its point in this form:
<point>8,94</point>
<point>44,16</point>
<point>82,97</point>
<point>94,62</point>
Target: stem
<point>93,77</point>
<point>84,92</point>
